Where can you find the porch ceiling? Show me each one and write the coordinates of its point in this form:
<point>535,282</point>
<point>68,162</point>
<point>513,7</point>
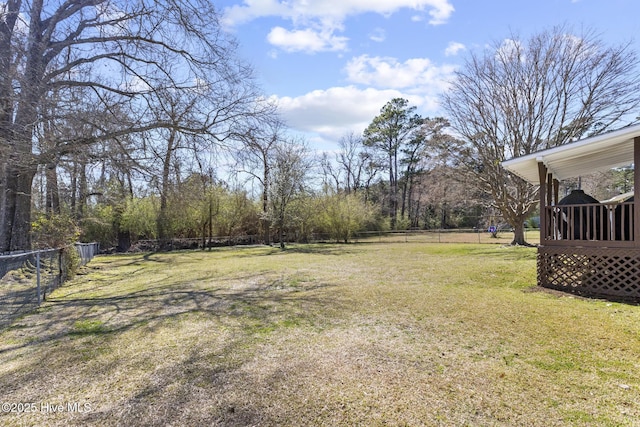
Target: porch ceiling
<point>598,153</point>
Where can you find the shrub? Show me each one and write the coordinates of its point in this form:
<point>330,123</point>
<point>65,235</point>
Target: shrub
<point>58,231</point>
<point>54,231</point>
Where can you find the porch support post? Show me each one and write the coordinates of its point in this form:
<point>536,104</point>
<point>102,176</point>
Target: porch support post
<point>636,191</point>
<point>549,183</point>
<point>544,229</point>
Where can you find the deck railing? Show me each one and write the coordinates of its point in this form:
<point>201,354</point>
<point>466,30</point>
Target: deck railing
<point>593,224</point>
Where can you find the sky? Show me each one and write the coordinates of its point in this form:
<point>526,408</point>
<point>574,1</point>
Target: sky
<point>331,65</point>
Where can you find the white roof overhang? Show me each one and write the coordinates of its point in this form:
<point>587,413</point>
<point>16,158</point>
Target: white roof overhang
<point>595,154</point>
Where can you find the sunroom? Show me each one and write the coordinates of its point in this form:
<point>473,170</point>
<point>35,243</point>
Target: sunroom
<point>586,246</point>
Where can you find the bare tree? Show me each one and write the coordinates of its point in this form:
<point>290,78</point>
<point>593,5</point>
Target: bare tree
<point>352,168</point>
<point>289,170</point>
<point>357,162</point>
<point>183,141</point>
<point>331,173</point>
<point>121,51</point>
<point>521,96</point>
<point>417,152</point>
<point>259,143</point>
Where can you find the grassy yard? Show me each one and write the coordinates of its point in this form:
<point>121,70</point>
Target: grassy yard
<point>361,334</point>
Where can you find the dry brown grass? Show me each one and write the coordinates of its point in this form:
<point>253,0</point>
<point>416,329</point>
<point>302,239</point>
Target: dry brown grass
<point>369,334</point>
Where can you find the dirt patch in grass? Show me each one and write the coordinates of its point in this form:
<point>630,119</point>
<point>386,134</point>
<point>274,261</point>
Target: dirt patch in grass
<point>372,334</point>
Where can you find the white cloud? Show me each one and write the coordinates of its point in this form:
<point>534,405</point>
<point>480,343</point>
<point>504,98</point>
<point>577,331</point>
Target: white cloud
<point>440,14</point>
<point>388,72</point>
<point>252,9</point>
<point>325,17</point>
<point>454,48</point>
<point>300,11</point>
<point>307,40</point>
<point>333,112</point>
<point>378,35</point>
<point>323,111</point>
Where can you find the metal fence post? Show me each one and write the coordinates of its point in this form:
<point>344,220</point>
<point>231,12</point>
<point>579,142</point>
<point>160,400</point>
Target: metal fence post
<point>38,277</point>
<point>61,269</point>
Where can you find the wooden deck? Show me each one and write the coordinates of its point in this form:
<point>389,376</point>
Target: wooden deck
<point>590,249</point>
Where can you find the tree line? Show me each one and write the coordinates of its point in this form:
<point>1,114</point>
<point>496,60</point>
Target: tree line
<point>274,190</point>
<point>127,120</point>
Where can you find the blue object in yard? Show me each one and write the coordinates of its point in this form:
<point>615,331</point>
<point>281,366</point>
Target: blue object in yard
<point>492,229</point>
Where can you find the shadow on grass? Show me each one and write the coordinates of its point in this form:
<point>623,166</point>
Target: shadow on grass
<point>66,333</point>
<point>321,249</point>
<point>191,392</point>
<point>265,302</point>
<point>299,248</point>
<point>14,304</point>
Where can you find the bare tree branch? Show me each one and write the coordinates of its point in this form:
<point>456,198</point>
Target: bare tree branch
<point>523,96</point>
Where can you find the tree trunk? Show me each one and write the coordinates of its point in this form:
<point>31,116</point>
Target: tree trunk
<point>162,226</point>
<point>516,221</point>
<point>403,203</point>
<point>83,192</point>
<point>210,222</point>
<point>52,195</point>
<point>204,236</point>
<point>73,185</point>
<point>282,245</point>
<point>16,224</point>
<point>15,232</point>
<point>124,241</point>
<point>518,235</point>
<point>443,217</point>
<point>393,193</point>
<point>266,225</point>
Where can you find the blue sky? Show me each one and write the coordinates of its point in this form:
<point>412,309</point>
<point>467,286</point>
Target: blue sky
<point>332,64</point>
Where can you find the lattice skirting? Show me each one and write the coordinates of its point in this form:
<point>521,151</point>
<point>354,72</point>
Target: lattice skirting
<point>592,271</point>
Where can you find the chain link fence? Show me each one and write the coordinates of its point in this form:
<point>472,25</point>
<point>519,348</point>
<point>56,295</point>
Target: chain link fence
<point>27,278</point>
<point>87,251</point>
<point>454,235</point>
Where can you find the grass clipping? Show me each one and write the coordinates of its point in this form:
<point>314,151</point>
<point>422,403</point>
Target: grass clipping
<point>371,334</point>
